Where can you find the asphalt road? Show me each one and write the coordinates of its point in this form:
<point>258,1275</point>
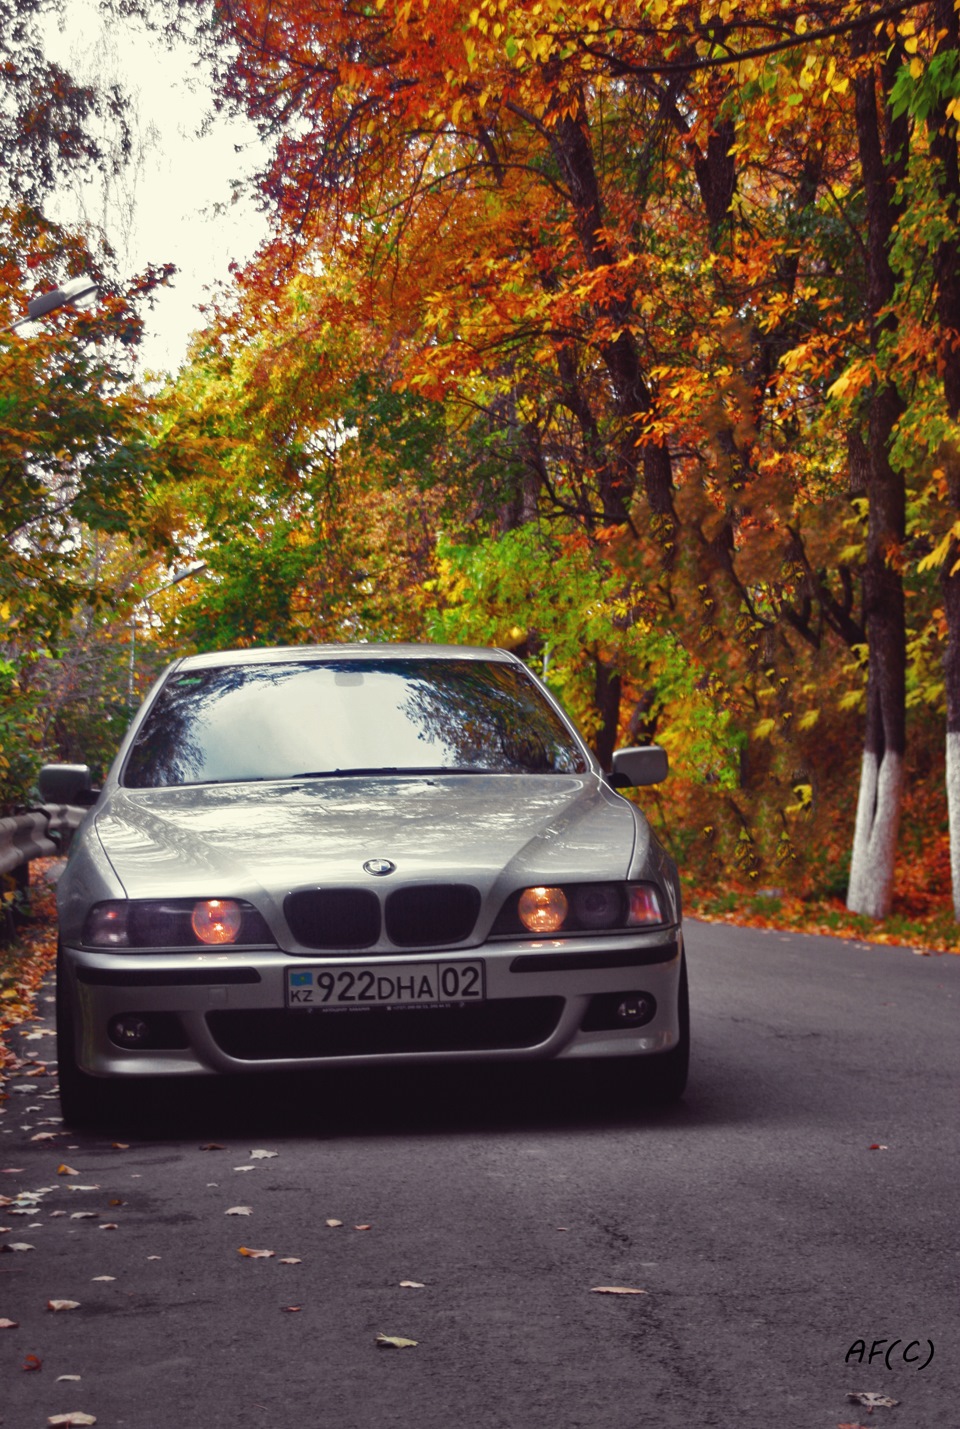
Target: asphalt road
<point>767,1236</point>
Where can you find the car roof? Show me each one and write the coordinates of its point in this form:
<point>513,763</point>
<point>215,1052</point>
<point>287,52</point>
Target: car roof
<point>281,654</point>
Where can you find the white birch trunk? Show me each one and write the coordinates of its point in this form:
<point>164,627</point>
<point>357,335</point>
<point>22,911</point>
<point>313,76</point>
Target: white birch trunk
<point>953,810</point>
<point>875,835</point>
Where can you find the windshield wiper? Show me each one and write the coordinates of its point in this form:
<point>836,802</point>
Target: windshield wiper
<point>388,769</point>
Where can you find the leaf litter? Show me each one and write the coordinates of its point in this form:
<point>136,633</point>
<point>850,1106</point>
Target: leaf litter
<point>616,1290</point>
<point>871,1400</point>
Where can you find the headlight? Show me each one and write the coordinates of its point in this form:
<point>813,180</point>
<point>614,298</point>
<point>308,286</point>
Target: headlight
<point>175,923</point>
<point>581,908</point>
<point>542,910</point>
<point>217,920</point>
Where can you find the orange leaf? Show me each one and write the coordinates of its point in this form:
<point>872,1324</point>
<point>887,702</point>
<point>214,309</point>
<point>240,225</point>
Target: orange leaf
<point>616,1290</point>
<point>31,1362</point>
<point>256,1254</point>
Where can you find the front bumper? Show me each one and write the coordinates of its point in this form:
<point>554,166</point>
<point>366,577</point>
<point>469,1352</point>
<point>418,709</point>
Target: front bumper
<point>226,1013</point>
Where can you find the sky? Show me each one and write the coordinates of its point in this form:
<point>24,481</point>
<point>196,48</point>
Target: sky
<point>175,205</point>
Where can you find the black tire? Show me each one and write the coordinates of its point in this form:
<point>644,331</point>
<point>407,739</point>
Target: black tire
<point>658,1080</point>
<point>81,1096</point>
<point>665,1075</point>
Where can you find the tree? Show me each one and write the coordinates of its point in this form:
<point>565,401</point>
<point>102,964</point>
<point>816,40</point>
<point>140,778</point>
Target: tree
<point>619,262</point>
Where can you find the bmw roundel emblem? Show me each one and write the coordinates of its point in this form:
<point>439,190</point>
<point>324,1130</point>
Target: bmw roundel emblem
<point>379,867</point>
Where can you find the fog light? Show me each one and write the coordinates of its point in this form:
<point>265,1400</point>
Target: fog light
<point>617,1011</point>
<point>633,1009</point>
<point>131,1030</point>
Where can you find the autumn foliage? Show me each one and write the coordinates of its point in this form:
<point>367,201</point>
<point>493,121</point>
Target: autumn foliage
<point>624,336</point>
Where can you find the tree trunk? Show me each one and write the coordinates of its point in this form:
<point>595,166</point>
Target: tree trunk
<point>881,781</point>
<point>606,695</point>
<point>943,146</point>
<point>878,817</point>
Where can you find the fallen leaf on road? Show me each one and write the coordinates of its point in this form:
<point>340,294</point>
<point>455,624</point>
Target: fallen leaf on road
<point>870,1400</point>
<point>363,1228</point>
<point>70,1378</point>
<point>262,1155</point>
<point>57,1213</point>
<point>84,1215</point>
<point>616,1290</point>
<point>290,1260</point>
<point>104,1277</point>
<point>63,1304</point>
<point>15,1245</point>
<point>76,1420</point>
<point>108,1226</point>
<point>212,1146</point>
<point>256,1254</point>
<point>876,1146</point>
<point>154,1257</point>
<point>9,1324</point>
<point>291,1309</point>
<point>120,1145</point>
<point>395,1342</point>
<point>64,1170</point>
<point>31,1362</point>
<point>563,1228</point>
<point>116,1202</point>
<point>244,1168</point>
<point>12,1170</point>
<point>44,1136</point>
<point>239,1211</point>
<point>412,1285</point>
<point>333,1223</point>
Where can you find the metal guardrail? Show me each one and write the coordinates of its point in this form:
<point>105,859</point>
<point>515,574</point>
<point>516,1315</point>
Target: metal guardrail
<point>41,832</point>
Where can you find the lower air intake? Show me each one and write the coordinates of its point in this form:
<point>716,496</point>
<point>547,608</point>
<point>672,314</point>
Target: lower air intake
<point>507,1024</point>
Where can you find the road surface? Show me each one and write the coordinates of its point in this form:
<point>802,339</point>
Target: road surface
<point>792,1224</point>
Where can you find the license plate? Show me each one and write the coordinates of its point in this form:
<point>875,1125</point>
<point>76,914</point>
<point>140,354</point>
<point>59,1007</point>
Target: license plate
<point>337,988</point>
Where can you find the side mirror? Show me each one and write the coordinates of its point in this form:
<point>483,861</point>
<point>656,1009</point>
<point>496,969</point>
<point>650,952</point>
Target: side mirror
<point>639,765</point>
<point>66,784</point>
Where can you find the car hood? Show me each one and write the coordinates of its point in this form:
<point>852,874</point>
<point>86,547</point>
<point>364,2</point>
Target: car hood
<point>244,839</point>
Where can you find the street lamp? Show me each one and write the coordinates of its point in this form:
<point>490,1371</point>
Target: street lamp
<point>71,293</point>
<point>175,579</point>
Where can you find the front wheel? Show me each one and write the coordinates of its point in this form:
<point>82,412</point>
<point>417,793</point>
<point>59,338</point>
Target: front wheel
<point>660,1079</point>
<point>80,1094</point>
<point>666,1073</point>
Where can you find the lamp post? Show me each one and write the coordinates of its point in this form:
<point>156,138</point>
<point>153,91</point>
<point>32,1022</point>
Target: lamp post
<point>71,293</point>
<point>175,579</point>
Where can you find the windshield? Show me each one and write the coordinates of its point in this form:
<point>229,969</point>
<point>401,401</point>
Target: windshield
<point>343,717</point>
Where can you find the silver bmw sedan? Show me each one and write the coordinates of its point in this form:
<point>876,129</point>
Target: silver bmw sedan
<point>362,855</point>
